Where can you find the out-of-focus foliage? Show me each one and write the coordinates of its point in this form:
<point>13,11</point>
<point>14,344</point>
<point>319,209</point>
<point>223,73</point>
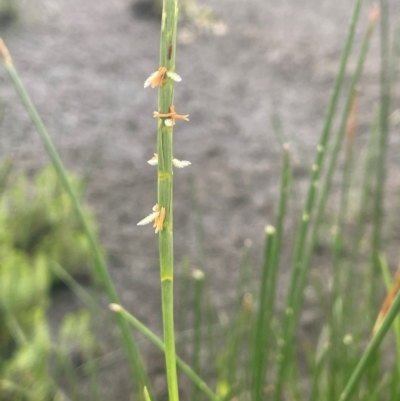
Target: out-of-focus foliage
<point>38,217</point>
<point>37,229</point>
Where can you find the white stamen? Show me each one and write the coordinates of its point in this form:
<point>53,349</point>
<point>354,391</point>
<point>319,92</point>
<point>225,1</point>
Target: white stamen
<point>147,220</point>
<point>154,160</point>
<point>147,83</point>
<point>169,122</point>
<point>180,163</point>
<point>174,76</point>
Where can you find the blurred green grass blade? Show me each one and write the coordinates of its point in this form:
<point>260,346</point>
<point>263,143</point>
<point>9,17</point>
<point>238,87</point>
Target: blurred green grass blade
<point>262,333</point>
<point>161,346</point>
<point>245,281</point>
<point>373,346</point>
<point>280,221</point>
<point>198,225</point>
<point>235,345</point>
<point>385,81</point>
<point>241,321</point>
<point>286,178</point>
<point>184,291</point>
<point>389,285</point>
<point>198,276</point>
<point>335,151</point>
<point>131,350</point>
<point>368,181</point>
<point>146,394</point>
<point>321,354</point>
<point>64,370</point>
<point>299,269</point>
<point>76,288</point>
<point>268,283</point>
<point>86,298</point>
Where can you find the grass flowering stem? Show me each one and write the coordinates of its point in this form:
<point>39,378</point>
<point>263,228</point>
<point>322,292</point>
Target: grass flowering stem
<point>384,133</point>
<point>169,22</point>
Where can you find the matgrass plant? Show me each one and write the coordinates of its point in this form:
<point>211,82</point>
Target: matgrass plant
<point>263,356</point>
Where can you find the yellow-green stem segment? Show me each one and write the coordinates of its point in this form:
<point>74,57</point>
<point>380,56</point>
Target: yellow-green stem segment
<point>165,181</point>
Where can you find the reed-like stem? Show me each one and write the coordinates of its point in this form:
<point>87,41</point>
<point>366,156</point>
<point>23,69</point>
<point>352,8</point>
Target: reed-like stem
<point>263,323</point>
<point>367,182</point>
<point>198,276</point>
<point>384,133</point>
<point>347,115</point>
<point>299,269</point>
<point>392,285</point>
<point>286,177</point>
<point>268,284</point>
<point>131,350</point>
<point>371,350</point>
<point>165,186</point>
<point>236,374</point>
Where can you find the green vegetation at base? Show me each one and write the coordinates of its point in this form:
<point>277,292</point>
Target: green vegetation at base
<point>38,229</point>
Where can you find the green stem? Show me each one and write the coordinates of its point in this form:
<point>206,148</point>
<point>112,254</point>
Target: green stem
<point>368,182</point>
<point>371,349</point>
<point>165,183</point>
<point>269,282</point>
<point>378,204</point>
<point>201,385</point>
<point>262,332</point>
<point>389,285</point>
<point>241,321</point>
<point>384,133</point>
<point>286,177</point>
<point>198,276</point>
<point>299,269</point>
<point>86,298</point>
<point>128,342</point>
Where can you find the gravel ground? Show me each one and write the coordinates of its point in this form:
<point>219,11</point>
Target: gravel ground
<point>84,64</point>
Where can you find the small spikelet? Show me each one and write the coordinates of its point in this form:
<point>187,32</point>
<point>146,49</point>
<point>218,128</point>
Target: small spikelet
<point>156,78</point>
